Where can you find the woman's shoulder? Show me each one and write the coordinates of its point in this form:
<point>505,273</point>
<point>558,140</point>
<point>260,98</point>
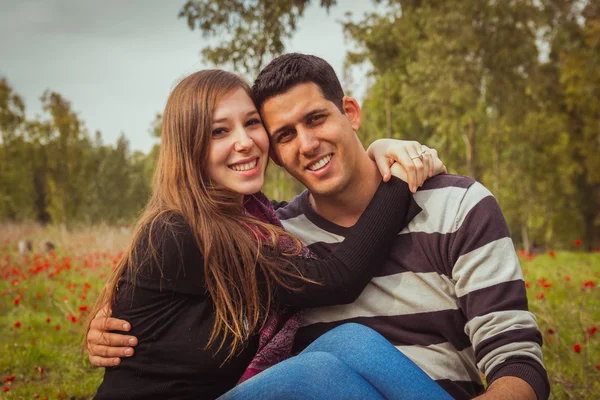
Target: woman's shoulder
<point>167,254</point>
<point>165,232</point>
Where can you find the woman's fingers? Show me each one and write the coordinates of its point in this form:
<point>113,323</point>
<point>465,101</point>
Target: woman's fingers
<point>410,167</point>
<point>428,156</point>
<point>383,164</point>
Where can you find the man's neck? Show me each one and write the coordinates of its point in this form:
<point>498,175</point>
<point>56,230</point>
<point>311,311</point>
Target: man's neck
<point>345,208</point>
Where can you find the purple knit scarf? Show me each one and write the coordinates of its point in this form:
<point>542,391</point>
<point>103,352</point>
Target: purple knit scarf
<point>277,336</point>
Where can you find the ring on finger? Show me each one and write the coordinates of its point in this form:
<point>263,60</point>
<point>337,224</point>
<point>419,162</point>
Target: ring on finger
<point>420,156</point>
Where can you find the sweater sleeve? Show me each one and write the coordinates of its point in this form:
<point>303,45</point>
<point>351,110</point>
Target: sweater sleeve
<point>345,273</point>
<point>179,265</point>
<point>491,292</point>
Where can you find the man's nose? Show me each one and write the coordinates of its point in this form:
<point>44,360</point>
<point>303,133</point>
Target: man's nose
<point>308,142</point>
<point>243,142</point>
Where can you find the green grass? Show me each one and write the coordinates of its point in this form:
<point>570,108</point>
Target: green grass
<point>47,362</point>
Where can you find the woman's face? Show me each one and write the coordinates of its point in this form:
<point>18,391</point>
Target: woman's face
<point>239,149</point>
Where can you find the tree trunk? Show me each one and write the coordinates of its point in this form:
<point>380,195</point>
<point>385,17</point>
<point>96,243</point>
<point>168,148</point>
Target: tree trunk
<point>388,108</point>
<point>496,160</point>
<point>469,139</point>
<point>525,236</point>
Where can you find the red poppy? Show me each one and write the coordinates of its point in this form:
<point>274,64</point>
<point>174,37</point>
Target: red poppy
<point>83,308</point>
<point>40,370</point>
<point>72,318</point>
<point>57,327</point>
<point>591,331</point>
<point>48,320</point>
<point>577,348</point>
<point>6,388</point>
<point>598,367</point>
<point>552,253</point>
<point>567,278</point>
<point>547,285</point>
<point>550,331</point>
<point>577,242</point>
<point>589,284</point>
<point>17,301</point>
<point>540,296</point>
<point>17,324</point>
<point>527,285</point>
<point>10,379</point>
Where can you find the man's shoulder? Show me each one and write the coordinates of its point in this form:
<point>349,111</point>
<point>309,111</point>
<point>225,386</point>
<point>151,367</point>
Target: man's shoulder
<point>293,208</point>
<point>444,181</point>
<point>445,190</point>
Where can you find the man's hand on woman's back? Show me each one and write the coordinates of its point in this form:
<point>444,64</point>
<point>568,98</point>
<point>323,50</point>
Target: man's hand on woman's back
<point>105,348</point>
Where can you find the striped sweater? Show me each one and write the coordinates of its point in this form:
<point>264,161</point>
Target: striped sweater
<point>451,294</point>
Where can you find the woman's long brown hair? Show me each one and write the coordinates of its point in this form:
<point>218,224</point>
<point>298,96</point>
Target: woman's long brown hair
<point>232,242</point>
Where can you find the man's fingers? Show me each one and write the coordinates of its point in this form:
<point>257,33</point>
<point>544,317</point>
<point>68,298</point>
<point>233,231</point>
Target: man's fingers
<point>96,337</point>
<point>104,362</point>
<point>104,312</point>
<point>110,324</point>
<point>108,351</point>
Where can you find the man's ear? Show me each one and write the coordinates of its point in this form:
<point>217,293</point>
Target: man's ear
<point>274,156</point>
<point>352,111</point>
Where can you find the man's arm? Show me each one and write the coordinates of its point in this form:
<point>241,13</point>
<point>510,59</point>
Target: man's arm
<point>509,388</point>
<point>491,292</point>
<point>105,348</point>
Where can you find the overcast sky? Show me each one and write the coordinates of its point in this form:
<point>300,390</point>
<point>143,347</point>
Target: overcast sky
<point>117,61</point>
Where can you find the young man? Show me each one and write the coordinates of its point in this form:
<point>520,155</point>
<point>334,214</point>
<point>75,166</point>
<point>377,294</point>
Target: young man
<point>451,295</point>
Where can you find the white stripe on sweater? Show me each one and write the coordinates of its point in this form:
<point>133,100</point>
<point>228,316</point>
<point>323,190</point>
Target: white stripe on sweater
<point>443,361</point>
<point>489,265</point>
<point>386,296</point>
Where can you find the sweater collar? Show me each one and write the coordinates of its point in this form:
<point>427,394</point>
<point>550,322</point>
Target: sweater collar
<point>412,211</point>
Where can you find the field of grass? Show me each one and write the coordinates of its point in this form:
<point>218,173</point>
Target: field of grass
<point>44,297</point>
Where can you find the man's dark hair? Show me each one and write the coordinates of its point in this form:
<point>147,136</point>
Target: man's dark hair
<point>289,70</point>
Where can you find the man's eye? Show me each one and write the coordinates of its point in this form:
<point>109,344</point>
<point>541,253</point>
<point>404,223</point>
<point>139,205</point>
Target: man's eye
<point>316,119</point>
<point>285,136</point>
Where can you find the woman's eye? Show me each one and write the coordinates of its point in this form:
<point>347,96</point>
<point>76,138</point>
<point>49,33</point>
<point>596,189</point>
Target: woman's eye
<point>253,121</point>
<point>218,131</point>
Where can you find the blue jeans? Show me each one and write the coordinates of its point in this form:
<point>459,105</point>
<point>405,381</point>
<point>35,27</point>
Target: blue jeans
<point>348,362</point>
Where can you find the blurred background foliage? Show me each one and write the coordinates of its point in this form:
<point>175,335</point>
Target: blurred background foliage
<point>507,91</point>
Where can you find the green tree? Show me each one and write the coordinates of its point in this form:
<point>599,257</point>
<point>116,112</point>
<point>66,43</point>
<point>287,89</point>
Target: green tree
<point>253,31</point>
<point>14,193</point>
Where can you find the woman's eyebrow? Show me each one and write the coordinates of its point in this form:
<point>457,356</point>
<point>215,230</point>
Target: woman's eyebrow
<point>248,114</point>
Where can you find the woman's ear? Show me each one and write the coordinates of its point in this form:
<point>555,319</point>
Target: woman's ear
<point>352,111</point>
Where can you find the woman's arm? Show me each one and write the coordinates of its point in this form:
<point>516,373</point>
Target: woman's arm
<point>346,272</point>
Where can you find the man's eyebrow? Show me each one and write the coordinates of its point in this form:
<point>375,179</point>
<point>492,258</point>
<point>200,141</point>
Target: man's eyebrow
<point>313,112</point>
<point>248,114</point>
<point>304,117</point>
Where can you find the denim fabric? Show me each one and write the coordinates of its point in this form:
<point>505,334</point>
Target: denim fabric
<point>348,362</point>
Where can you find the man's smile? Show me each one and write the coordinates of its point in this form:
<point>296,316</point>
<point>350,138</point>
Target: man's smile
<point>320,163</point>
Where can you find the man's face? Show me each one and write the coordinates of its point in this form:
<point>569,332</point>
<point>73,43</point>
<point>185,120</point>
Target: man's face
<point>312,139</point>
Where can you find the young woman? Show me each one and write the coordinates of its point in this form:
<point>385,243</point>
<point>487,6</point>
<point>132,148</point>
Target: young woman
<point>208,262</point>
